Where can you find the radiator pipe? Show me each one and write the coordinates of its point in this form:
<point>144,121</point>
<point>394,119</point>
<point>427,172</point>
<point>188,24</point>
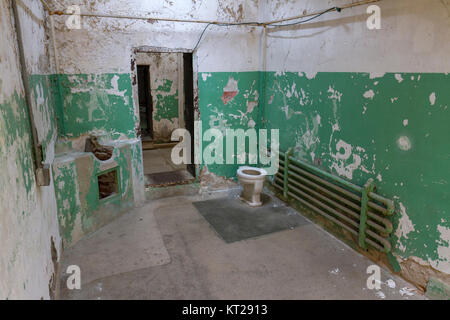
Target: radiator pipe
<point>386,222</point>
<point>307,198</point>
<point>389,210</point>
<point>337,188</point>
<point>385,247</point>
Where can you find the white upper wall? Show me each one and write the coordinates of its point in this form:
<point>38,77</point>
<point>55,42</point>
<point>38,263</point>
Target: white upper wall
<point>35,37</point>
<point>104,45</point>
<point>10,81</point>
<point>414,37</point>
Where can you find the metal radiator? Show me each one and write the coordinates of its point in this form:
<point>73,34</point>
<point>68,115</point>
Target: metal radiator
<point>356,209</point>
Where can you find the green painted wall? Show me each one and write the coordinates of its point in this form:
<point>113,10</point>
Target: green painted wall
<point>223,110</point>
<point>166,88</point>
<point>394,129</point>
<point>16,128</point>
<point>165,96</point>
<point>16,144</point>
<point>102,104</point>
<point>164,103</point>
<point>44,93</point>
<point>80,210</point>
<point>67,197</point>
<point>26,219</point>
<point>97,102</point>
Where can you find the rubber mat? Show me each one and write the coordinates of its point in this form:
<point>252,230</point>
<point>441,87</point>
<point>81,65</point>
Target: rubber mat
<point>234,220</point>
<point>168,178</point>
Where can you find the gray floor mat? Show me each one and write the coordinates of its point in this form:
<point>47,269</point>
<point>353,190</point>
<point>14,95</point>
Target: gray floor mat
<point>233,220</point>
<point>168,178</point>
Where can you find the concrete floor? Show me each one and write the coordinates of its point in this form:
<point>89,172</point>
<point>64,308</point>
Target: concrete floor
<point>303,263</point>
<point>159,160</point>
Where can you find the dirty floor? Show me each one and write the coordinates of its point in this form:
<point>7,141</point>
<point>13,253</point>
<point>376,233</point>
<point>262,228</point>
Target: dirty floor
<point>174,253</point>
<point>159,169</point>
<point>159,160</point>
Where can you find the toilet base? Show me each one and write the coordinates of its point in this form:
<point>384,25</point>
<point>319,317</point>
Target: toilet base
<point>251,204</point>
<point>252,182</point>
<point>251,194</point>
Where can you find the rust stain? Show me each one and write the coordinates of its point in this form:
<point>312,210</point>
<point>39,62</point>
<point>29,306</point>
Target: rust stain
<point>228,96</point>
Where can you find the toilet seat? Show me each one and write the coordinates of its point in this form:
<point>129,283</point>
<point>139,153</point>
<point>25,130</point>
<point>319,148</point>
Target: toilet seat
<point>261,172</point>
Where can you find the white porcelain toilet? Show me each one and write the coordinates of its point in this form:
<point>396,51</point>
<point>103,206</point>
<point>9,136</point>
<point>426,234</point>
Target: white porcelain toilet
<point>252,182</point>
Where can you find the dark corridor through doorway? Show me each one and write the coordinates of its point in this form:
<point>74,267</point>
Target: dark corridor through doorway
<point>189,103</point>
<point>145,102</point>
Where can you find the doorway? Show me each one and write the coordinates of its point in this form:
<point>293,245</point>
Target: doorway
<point>165,83</point>
<point>145,102</point>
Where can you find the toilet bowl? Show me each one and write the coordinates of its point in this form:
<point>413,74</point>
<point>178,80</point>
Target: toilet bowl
<point>252,182</point>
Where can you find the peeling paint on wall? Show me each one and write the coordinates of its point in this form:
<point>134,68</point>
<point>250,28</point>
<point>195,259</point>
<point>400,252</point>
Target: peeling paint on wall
<point>241,110</point>
<point>404,227</point>
<point>167,89</point>
<point>384,143</point>
<point>98,102</point>
<point>29,233</point>
<point>80,209</point>
<point>443,250</point>
<point>230,91</point>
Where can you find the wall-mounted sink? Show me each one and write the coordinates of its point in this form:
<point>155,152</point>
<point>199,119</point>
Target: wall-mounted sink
<point>100,151</point>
